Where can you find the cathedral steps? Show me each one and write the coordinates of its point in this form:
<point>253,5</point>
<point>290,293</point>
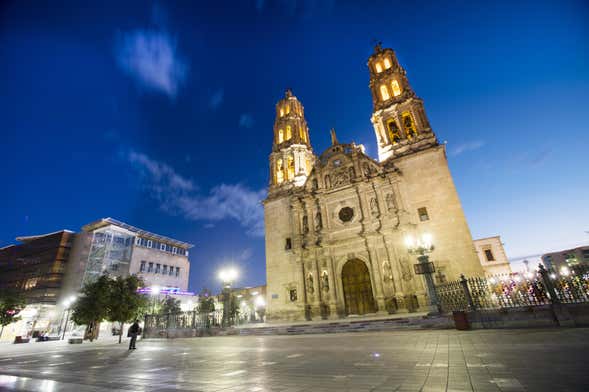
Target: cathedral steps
<point>358,325</point>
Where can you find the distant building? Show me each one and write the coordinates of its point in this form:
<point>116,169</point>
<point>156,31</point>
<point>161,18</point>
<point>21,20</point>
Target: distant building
<point>37,266</point>
<point>566,258</point>
<point>492,256</point>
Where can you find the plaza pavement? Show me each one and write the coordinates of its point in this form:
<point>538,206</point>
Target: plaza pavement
<point>420,360</point>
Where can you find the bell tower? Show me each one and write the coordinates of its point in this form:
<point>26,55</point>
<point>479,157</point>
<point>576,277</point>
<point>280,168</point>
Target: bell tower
<point>292,156</point>
<point>398,116</point>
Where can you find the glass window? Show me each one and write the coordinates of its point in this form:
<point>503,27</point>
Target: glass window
<point>142,267</point>
<point>423,215</point>
<point>288,244</point>
<point>168,248</point>
<point>149,243</point>
<point>280,135</point>
<point>165,270</point>
<point>137,240</point>
<point>384,92</point>
<point>378,67</point>
<point>157,268</point>
<point>177,271</point>
<point>150,268</point>
<point>174,250</point>
<point>162,246</point>
<point>396,88</point>
<point>387,63</point>
<point>171,271</point>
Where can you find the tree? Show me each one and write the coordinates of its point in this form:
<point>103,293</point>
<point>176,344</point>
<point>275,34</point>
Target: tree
<point>233,309</point>
<point>11,303</point>
<point>91,307</point>
<point>206,305</point>
<point>124,302</point>
<point>170,305</point>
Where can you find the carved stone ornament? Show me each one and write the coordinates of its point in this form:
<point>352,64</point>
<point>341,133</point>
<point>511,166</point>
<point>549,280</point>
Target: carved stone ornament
<point>405,269</point>
<point>310,288</point>
<point>390,199</point>
<point>373,206</point>
<point>325,282</point>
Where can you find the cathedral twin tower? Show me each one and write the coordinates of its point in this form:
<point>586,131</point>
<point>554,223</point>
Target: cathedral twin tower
<point>335,224</point>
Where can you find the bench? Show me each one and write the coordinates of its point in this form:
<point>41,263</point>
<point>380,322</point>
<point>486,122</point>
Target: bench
<point>75,340</point>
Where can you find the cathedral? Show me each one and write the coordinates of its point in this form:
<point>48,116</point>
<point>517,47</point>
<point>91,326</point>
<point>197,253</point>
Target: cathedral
<point>336,223</point>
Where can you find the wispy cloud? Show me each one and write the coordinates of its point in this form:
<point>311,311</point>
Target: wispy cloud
<point>246,120</point>
<point>152,59</point>
<point>180,196</point>
<point>303,8</point>
<point>535,159</point>
<point>216,99</point>
<point>467,146</point>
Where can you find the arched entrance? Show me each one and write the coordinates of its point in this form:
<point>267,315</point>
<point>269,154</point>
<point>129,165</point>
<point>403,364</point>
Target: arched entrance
<point>357,288</point>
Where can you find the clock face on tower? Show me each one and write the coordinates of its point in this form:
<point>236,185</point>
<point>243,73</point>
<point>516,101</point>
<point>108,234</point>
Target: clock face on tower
<point>346,214</point>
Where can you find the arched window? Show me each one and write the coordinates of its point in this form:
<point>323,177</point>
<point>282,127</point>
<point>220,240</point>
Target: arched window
<point>279,171</point>
<point>396,88</point>
<point>280,136</point>
<point>288,132</point>
<point>384,92</point>
<point>387,63</point>
<point>394,132</point>
<point>287,109</point>
<point>281,112</point>
<point>409,125</point>
<point>290,167</point>
<point>378,67</point>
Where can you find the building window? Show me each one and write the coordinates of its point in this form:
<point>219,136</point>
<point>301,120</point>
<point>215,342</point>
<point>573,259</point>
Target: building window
<point>177,271</point>
<point>162,246</point>
<point>378,67</point>
<point>288,132</point>
<point>149,243</point>
<point>171,271</point>
<point>422,213</point>
<point>142,266</point>
<point>409,125</point>
<point>586,254</point>
<point>346,214</point>
<point>157,268</point>
<point>150,268</point>
<point>292,294</point>
<point>384,92</point>
<point>281,112</point>
<point>290,167</point>
<point>114,267</point>
<point>394,132</point>
<point>174,250</point>
<point>280,135</point>
<point>387,63</point>
<point>137,240</point>
<point>288,244</point>
<point>287,109</point>
<point>165,270</point>
<point>279,171</point>
<point>489,255</point>
<point>395,87</point>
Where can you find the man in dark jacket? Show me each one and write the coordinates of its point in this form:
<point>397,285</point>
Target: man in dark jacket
<point>134,330</point>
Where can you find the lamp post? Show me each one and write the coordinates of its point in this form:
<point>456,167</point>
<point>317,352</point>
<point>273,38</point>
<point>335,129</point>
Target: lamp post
<point>67,304</point>
<point>422,247</point>
<point>227,277</point>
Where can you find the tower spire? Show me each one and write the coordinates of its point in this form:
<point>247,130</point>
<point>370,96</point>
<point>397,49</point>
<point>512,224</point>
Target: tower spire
<point>398,117</point>
<point>333,137</point>
<point>292,155</point>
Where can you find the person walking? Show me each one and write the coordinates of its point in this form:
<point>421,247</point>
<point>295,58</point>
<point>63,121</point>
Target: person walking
<point>134,330</point>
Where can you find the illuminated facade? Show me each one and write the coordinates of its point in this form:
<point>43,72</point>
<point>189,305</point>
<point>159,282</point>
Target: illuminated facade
<point>492,256</point>
<point>336,223</point>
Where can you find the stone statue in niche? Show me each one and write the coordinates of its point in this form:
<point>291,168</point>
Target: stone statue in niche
<point>318,222</point>
<point>305,224</point>
<point>373,206</point>
<point>405,269</point>
<point>352,173</point>
<point>391,202</point>
<point>387,271</point>
<point>310,288</point>
<point>325,281</point>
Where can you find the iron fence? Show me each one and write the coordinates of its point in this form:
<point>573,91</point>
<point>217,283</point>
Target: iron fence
<point>541,287</point>
<point>182,320</point>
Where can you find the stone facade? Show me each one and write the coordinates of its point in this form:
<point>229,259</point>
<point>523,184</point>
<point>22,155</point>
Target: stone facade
<point>335,228</point>
<point>492,256</point>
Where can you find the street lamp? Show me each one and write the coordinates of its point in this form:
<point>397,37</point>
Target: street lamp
<point>67,304</point>
<point>227,277</point>
<point>421,247</point>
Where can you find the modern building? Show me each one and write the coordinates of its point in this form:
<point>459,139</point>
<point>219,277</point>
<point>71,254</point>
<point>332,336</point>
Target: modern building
<point>52,267</point>
<point>109,245</point>
<point>566,258</point>
<point>336,223</point>
<point>492,256</point>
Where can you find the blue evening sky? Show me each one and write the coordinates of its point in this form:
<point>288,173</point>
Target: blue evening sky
<point>161,114</point>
